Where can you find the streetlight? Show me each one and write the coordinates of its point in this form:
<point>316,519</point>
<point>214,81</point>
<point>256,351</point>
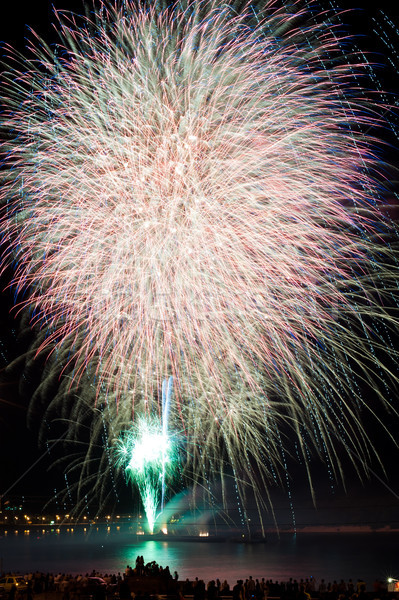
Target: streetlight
<point>393,584</point>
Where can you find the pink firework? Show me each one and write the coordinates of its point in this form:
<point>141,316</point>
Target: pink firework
<point>195,193</point>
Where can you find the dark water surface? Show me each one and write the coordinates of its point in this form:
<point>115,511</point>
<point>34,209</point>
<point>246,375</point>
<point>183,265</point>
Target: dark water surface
<point>329,556</point>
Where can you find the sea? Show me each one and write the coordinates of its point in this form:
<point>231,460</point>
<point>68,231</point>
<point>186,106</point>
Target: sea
<point>333,556</point>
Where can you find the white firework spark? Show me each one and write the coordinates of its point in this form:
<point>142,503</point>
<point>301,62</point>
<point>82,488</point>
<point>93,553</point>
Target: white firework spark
<point>193,192</point>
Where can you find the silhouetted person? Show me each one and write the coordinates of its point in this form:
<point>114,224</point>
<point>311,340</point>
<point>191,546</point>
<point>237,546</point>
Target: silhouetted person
<point>124,590</point>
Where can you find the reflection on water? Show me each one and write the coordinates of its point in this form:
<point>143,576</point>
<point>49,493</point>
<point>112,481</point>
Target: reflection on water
<point>110,549</point>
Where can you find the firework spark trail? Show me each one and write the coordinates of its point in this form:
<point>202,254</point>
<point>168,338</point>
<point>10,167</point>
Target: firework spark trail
<point>190,194</point>
<point>167,390</point>
<point>146,453</point>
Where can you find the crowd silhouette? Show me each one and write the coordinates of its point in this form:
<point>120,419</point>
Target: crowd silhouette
<point>149,581</point>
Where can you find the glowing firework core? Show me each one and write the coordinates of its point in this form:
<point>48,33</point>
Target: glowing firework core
<point>147,455</point>
<point>150,450</point>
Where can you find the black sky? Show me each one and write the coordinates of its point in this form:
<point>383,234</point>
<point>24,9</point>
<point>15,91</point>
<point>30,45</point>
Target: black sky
<point>18,443</point>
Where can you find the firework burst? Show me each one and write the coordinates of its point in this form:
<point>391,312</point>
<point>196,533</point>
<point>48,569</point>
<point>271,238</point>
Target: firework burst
<point>145,454</point>
<point>195,192</point>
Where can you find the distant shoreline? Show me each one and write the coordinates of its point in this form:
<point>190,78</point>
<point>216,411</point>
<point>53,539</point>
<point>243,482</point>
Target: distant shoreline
<point>8,528</point>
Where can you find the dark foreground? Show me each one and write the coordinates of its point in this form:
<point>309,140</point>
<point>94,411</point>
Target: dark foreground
<point>159,588</point>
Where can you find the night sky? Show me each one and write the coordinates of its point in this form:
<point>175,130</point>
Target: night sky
<point>375,502</point>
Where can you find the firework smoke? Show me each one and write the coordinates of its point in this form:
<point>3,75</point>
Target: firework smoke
<point>195,192</point>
